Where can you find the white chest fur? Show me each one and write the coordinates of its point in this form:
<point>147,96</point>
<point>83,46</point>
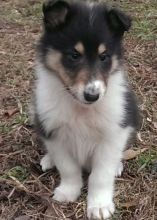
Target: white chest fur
<point>81,128</point>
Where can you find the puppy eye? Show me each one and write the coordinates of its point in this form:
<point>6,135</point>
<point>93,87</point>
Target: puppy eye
<point>75,56</point>
<point>104,57</point>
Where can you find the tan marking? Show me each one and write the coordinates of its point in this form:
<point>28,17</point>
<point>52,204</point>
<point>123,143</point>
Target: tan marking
<point>114,64</point>
<point>82,77</point>
<point>53,63</point>
<point>101,49</point>
<point>80,48</point>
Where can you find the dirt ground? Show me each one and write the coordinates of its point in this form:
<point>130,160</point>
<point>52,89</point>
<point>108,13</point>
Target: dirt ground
<point>25,191</point>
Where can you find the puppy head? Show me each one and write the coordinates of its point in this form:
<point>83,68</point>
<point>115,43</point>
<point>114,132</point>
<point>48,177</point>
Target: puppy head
<point>82,45</point>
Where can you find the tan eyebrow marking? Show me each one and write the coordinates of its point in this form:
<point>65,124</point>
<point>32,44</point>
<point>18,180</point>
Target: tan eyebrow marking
<point>80,48</point>
<point>101,49</point>
<point>53,63</point>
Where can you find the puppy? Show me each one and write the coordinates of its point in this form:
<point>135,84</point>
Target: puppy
<point>85,110</point>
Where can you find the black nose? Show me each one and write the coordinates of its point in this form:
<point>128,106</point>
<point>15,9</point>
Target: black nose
<point>90,97</point>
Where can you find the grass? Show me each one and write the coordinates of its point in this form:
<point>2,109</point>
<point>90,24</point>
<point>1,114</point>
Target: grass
<point>146,161</point>
<point>24,189</point>
<point>144,29</point>
<point>20,173</point>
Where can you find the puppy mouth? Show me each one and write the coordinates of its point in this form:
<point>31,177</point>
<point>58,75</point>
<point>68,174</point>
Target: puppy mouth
<point>76,98</point>
<point>88,93</point>
<point>80,98</point>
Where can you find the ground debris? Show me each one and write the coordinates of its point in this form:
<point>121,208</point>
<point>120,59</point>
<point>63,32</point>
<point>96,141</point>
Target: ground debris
<point>28,195</point>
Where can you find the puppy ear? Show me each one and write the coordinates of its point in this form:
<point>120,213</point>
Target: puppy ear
<point>119,21</point>
<point>55,13</point>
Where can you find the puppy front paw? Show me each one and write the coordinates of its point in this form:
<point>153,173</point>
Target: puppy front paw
<point>46,163</point>
<point>66,193</point>
<point>100,211</point>
<point>100,204</point>
<point>119,170</point>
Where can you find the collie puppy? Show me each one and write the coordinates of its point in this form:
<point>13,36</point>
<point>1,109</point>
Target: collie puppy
<point>85,111</point>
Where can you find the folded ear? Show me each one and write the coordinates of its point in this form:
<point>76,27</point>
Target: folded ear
<point>55,13</point>
<point>118,21</point>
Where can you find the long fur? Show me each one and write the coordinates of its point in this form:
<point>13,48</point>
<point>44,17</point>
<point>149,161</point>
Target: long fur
<point>79,135</point>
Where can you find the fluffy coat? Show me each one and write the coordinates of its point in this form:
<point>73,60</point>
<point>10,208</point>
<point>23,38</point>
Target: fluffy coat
<point>90,136</point>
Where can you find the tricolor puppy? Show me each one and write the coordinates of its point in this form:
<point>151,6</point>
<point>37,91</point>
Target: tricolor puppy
<point>85,109</point>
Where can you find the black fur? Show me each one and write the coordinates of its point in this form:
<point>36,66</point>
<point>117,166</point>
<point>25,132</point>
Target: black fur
<point>68,23</point>
<point>131,117</point>
<point>55,13</point>
<point>119,21</point>
<point>80,23</point>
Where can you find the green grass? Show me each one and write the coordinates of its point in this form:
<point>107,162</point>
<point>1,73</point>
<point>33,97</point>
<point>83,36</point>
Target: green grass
<point>18,172</point>
<point>145,25</point>
<point>5,128</point>
<point>19,15</point>
<point>34,11</point>
<point>144,17</point>
<point>146,160</point>
<point>21,119</point>
<point>144,29</point>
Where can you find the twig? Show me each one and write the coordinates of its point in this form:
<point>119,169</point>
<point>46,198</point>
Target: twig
<point>11,154</point>
<point>19,186</point>
<point>11,193</point>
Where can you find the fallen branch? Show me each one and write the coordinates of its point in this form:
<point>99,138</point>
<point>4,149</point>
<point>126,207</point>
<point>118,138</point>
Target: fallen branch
<point>19,186</point>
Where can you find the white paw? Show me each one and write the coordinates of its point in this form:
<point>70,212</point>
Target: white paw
<point>100,205</point>
<point>119,169</point>
<point>101,212</point>
<point>46,163</point>
<point>66,193</point>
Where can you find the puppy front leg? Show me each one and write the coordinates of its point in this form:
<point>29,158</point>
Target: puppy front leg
<point>106,160</point>
<point>70,172</point>
<point>101,188</point>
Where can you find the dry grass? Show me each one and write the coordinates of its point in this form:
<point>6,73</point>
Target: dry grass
<point>25,192</point>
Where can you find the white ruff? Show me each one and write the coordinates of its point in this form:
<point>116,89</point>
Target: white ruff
<point>88,136</point>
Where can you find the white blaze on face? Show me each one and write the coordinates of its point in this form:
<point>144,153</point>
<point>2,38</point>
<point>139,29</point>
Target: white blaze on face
<point>96,87</point>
